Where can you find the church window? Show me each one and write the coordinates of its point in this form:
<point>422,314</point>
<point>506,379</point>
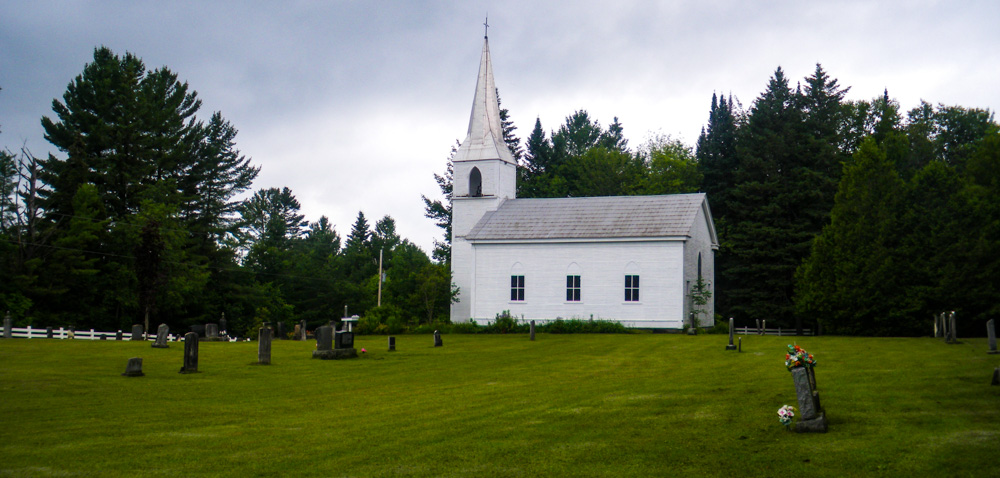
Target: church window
<point>573,288</point>
<point>517,288</point>
<point>475,183</point>
<point>631,288</point>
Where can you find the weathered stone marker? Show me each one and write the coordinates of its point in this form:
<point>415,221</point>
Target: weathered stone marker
<point>731,345</point>
<point>264,346</point>
<point>190,353</point>
<point>953,334</point>
<point>532,325</point>
<point>739,347</point>
<point>280,331</point>
<point>437,339</point>
<point>48,333</point>
<point>136,332</point>
<point>8,326</point>
<point>996,376</point>
<point>212,332</point>
<point>991,333</point>
<point>302,330</point>
<point>758,327</point>
<point>392,343</point>
<point>343,339</point>
<point>223,325</point>
<point>134,368</point>
<point>296,332</point>
<point>161,337</point>
<point>119,336</point>
<point>811,418</point>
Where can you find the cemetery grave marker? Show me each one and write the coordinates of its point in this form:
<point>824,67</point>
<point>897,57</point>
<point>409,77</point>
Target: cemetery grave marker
<point>532,330</point>
<point>812,417</point>
<point>992,336</point>
<point>324,344</point>
<point>437,339</point>
<point>264,345</point>
<point>392,344</point>
<point>731,345</point>
<point>134,368</point>
<point>161,337</point>
<point>8,326</point>
<point>137,332</point>
<point>190,353</point>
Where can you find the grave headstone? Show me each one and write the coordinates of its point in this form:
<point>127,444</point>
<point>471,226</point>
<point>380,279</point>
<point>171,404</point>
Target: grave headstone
<point>739,346</point>
<point>280,331</point>
<point>951,328</point>
<point>996,376</point>
<point>392,344</point>
<point>223,325</point>
<point>264,346</point>
<point>71,334</point>
<point>296,333</point>
<point>811,416</point>
<point>437,339</point>
<point>8,326</point>
<point>136,332</point>
<point>104,336</point>
<point>937,326</point>
<point>731,345</point>
<point>119,336</point>
<point>161,337</point>
<point>763,327</point>
<point>212,332</point>
<point>190,353</point>
<point>134,368</point>
<point>758,326</point>
<point>532,325</point>
<point>991,335</point>
<point>343,339</point>
<point>48,333</point>
<point>324,344</point>
<point>303,330</point>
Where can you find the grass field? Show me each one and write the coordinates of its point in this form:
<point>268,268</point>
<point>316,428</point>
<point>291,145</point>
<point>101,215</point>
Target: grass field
<point>564,405</point>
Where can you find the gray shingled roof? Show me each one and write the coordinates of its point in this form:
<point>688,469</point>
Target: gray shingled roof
<point>590,218</point>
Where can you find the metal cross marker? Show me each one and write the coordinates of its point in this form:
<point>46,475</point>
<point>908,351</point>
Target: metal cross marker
<point>487,25</point>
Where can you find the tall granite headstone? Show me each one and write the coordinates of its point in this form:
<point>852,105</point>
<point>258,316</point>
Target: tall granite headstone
<point>953,333</point>
<point>532,326</point>
<point>190,353</point>
<point>136,332</point>
<point>343,339</point>
<point>134,368</point>
<point>437,339</point>
<point>161,337</point>
<point>991,334</point>
<point>811,416</point>
<point>8,326</point>
<point>280,331</point>
<point>296,333</point>
<point>302,330</point>
<point>392,343</point>
<point>264,346</point>
<point>48,333</point>
<point>731,345</point>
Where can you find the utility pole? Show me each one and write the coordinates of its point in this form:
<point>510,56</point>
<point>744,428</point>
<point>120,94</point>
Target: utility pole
<point>380,278</point>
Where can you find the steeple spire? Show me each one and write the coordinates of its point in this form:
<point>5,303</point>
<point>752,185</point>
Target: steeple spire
<point>485,136</point>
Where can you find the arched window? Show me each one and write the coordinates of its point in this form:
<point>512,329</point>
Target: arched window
<point>475,183</point>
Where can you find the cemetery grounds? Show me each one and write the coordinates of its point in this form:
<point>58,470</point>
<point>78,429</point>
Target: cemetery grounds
<point>498,405</point>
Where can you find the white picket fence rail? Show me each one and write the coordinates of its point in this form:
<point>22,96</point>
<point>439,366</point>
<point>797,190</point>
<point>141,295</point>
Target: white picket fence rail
<point>62,333</point>
<point>779,331</point>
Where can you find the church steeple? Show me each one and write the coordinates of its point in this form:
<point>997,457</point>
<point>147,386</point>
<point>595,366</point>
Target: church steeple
<point>485,136</point>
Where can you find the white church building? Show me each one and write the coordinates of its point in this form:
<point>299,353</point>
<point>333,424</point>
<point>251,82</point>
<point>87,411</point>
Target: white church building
<point>630,259</point>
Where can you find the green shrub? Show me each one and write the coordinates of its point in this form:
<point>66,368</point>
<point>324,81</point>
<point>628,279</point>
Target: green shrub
<point>386,319</point>
<point>470,327</point>
<point>505,323</point>
<point>577,326</point>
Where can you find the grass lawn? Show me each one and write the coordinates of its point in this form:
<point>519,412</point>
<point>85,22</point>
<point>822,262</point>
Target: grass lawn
<point>564,405</point>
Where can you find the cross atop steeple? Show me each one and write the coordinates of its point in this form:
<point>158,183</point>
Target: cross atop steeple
<point>487,25</point>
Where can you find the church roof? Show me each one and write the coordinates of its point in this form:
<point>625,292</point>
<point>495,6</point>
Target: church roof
<point>485,137</point>
<point>608,217</point>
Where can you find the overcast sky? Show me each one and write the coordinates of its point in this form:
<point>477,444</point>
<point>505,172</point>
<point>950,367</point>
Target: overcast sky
<point>355,105</point>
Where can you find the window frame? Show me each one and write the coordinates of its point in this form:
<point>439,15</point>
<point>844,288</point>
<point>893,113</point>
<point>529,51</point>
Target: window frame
<point>517,288</point>
<point>574,288</point>
<point>632,288</point>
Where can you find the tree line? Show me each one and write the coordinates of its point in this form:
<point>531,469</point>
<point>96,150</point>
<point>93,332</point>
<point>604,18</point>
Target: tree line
<point>847,215</point>
<point>140,220</point>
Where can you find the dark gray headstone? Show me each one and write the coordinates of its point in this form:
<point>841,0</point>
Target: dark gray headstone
<point>212,331</point>
<point>324,338</point>
<point>280,331</point>
<point>190,353</point>
<point>264,346</point>
<point>104,336</point>
<point>297,332</point>
<point>161,337</point>
<point>134,367</point>
<point>223,325</point>
<point>532,325</point>
<point>119,336</point>
<point>137,332</point>
<point>343,340</point>
<point>731,345</point>
<point>739,346</point>
<point>437,339</point>
<point>951,327</point>
<point>758,327</point>
<point>996,376</point>
<point>48,333</point>
<point>811,416</point>
<point>8,326</point>
<point>392,344</point>
<point>991,334</point>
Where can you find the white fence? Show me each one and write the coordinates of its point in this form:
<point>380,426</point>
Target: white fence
<point>779,331</point>
<point>61,333</point>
